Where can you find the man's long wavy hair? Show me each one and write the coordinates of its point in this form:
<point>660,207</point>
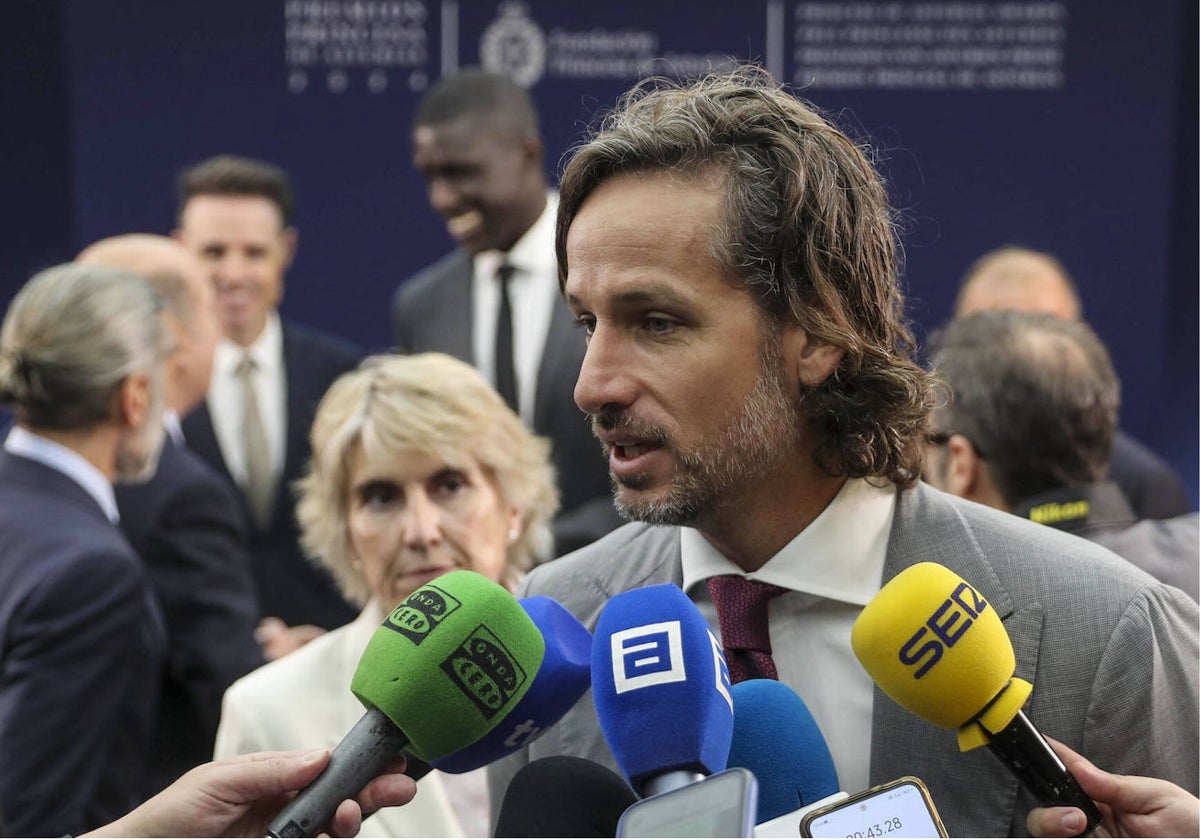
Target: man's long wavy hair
<point>807,228</point>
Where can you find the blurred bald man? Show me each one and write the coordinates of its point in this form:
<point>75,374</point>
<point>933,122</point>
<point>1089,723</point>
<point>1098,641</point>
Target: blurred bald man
<point>186,522</point>
<point>1025,280</point>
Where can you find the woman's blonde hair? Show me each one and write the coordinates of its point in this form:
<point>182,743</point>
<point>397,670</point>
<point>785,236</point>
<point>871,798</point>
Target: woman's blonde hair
<point>429,403</point>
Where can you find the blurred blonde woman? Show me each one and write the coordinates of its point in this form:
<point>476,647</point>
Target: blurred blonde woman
<point>419,468</point>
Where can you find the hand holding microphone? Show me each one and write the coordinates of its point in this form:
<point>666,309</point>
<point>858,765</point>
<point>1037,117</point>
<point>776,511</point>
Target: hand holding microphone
<point>444,668</point>
<point>1133,806</point>
<point>934,645</point>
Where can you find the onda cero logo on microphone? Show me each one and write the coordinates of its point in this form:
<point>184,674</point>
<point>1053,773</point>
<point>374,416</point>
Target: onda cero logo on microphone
<point>421,612</point>
<point>943,629</point>
<point>485,671</point>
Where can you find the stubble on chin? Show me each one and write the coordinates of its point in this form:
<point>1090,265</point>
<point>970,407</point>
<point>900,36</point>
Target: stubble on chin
<point>138,454</point>
<point>711,475</point>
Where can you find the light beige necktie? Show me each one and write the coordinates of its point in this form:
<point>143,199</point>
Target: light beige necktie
<point>260,484</point>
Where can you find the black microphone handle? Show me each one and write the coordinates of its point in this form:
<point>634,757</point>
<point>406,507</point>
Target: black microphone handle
<point>1032,760</point>
<point>368,747</point>
<point>418,768</point>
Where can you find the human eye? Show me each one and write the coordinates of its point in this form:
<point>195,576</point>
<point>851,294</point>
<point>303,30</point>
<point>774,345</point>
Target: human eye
<point>377,495</point>
<point>449,484</point>
<point>587,323</point>
<point>659,324</point>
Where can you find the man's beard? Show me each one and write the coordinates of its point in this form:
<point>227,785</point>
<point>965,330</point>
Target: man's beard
<point>764,429</point>
<point>138,450</point>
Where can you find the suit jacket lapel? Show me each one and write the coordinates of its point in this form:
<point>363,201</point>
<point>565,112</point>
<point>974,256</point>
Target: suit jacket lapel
<point>199,436</point>
<point>299,392</point>
<point>452,328</point>
<point>561,359</point>
<point>971,785</point>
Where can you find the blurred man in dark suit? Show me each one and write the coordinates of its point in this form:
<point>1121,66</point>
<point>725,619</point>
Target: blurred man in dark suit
<point>494,301</point>
<point>1027,426</point>
<point>82,353</point>
<point>185,522</point>
<point>1031,281</point>
<point>235,214</point>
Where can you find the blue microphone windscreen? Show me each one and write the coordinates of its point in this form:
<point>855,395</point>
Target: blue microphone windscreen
<point>562,679</point>
<point>776,739</point>
<point>661,685</point>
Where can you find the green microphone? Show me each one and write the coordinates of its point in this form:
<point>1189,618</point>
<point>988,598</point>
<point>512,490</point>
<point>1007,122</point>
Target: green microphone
<point>446,666</point>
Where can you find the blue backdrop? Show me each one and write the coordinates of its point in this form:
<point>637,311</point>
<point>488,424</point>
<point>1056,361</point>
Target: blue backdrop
<point>1065,126</point>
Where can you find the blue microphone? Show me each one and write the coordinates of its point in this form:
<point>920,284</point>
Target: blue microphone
<point>661,688</point>
<point>562,679</point>
<point>776,739</point>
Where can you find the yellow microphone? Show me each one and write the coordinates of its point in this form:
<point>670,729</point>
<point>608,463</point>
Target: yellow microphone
<point>934,644</point>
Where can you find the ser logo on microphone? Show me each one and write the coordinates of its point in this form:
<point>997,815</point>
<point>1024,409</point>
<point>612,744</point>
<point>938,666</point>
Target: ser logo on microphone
<point>948,623</point>
<point>485,671</point>
<point>648,655</point>
<point>421,612</point>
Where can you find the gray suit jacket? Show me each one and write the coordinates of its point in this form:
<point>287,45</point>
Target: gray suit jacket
<point>1169,549</point>
<point>1112,654</point>
<point>432,312</point>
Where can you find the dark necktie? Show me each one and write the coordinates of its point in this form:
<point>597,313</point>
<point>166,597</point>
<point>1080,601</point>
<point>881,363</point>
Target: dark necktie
<point>506,374</point>
<point>742,613</point>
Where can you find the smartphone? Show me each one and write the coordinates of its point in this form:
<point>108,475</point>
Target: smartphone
<point>897,809</point>
<point>721,805</point>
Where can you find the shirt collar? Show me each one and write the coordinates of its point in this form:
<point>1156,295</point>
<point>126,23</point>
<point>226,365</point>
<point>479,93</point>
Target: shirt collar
<point>21,441</point>
<point>173,426</point>
<point>839,556</point>
<point>267,350</point>
<point>533,254</point>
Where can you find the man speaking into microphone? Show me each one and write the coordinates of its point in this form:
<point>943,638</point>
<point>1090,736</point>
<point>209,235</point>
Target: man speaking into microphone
<point>731,258</point>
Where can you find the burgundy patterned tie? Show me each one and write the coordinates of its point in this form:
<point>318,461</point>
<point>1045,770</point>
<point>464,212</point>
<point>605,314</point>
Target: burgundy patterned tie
<point>742,613</point>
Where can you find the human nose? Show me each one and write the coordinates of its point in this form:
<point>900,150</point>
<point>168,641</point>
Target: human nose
<point>422,521</point>
<point>444,198</point>
<point>605,377</point>
<point>229,269</point>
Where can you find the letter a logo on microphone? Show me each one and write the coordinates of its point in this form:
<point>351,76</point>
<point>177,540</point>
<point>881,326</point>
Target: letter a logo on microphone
<point>648,655</point>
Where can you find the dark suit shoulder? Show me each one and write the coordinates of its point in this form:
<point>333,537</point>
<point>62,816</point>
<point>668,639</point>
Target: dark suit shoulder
<point>457,263</point>
<point>439,288</point>
<point>334,350</point>
<point>1153,488</point>
<point>184,487</point>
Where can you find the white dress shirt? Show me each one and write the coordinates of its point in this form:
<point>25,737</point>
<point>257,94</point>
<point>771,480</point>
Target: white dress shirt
<point>833,569</point>
<point>532,291</point>
<point>21,441</point>
<point>225,398</point>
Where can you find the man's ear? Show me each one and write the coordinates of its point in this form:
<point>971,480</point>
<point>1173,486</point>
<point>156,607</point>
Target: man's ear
<point>131,404</point>
<point>811,361</point>
<point>291,242</point>
<point>531,148</point>
<point>964,468</point>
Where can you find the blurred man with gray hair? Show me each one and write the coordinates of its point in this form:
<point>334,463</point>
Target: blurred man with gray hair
<point>82,351</point>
